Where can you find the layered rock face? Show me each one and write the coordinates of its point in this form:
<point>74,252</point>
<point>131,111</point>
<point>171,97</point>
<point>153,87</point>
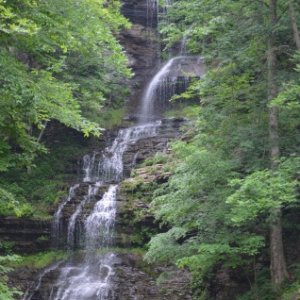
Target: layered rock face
<point>25,235</point>
<point>142,47</point>
<point>136,153</point>
<point>132,280</point>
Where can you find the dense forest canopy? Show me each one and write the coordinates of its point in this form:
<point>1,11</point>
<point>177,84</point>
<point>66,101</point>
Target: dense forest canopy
<point>59,60</point>
<point>236,181</point>
<point>232,202</point>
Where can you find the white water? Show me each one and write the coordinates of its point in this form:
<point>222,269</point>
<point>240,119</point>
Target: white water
<point>86,281</point>
<point>163,85</point>
<point>88,163</point>
<point>92,192</point>
<point>99,225</point>
<point>91,280</point>
<point>149,97</point>
<point>29,294</point>
<point>56,223</point>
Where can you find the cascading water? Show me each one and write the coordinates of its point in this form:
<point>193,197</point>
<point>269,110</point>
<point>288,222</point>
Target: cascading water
<point>156,84</point>
<point>57,222</point>
<point>90,277</point>
<point>92,192</point>
<point>30,293</point>
<point>88,163</point>
<point>173,76</point>
<point>90,280</point>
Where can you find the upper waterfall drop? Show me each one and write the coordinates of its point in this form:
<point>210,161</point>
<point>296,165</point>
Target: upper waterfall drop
<point>147,110</point>
<point>163,85</point>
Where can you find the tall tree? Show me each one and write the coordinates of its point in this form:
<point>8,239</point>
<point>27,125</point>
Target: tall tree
<point>249,103</point>
<point>278,263</point>
<point>294,24</point>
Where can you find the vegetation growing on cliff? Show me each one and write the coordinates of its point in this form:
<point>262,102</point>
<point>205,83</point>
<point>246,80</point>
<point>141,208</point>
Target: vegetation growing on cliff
<point>234,195</point>
<point>58,61</point>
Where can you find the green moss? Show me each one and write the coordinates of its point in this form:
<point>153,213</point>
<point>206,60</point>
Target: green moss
<point>158,158</point>
<point>190,112</point>
<point>137,251</point>
<point>131,184</point>
<point>39,260</point>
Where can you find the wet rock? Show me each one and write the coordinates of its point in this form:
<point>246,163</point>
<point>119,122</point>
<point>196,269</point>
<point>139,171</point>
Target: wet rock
<point>133,279</point>
<point>25,235</point>
<point>141,44</point>
<point>136,280</point>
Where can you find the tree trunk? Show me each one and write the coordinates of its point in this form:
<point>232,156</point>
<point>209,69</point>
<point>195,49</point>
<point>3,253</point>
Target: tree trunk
<point>278,264</point>
<point>294,24</point>
<point>42,132</point>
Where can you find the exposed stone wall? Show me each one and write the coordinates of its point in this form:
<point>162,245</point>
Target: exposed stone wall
<point>142,47</point>
<point>25,235</point>
<point>133,279</point>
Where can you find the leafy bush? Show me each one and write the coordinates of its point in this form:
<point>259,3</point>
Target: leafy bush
<point>158,158</point>
<point>6,292</point>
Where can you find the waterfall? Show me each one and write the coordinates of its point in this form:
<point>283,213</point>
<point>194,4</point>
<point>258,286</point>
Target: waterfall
<point>91,279</point>
<point>172,76</point>
<point>91,205</point>
<point>152,12</point>
<point>99,225</point>
<point>29,293</point>
<point>56,223</point>
<point>88,163</point>
<point>92,192</point>
<point>158,83</point>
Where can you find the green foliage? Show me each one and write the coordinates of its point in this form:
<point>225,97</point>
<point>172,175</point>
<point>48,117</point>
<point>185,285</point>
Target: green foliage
<point>6,292</point>
<point>58,62</point>
<point>262,191</point>
<point>37,261</point>
<point>183,111</point>
<point>223,191</point>
<point>35,193</point>
<point>9,206</point>
<point>158,158</point>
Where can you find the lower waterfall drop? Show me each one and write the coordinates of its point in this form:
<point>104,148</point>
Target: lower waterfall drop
<point>91,280</point>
